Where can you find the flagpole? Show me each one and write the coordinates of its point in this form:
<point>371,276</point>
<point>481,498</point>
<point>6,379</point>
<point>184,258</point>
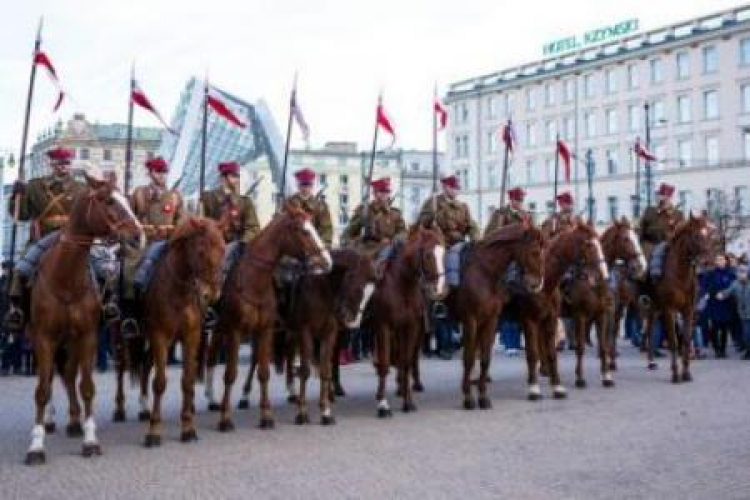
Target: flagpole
<point>128,175</point>
<point>434,154</point>
<point>637,182</point>
<point>506,157</point>
<point>282,193</point>
<point>557,167</point>
<point>366,198</point>
<point>22,156</point>
<point>646,108</point>
<point>589,179</point>
<point>204,133</point>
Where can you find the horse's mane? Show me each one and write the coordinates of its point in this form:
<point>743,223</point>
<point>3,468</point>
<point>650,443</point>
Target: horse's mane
<point>508,233</point>
<point>683,229</point>
<point>193,226</point>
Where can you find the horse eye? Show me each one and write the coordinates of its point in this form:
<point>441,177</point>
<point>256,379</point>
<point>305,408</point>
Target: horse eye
<point>110,201</point>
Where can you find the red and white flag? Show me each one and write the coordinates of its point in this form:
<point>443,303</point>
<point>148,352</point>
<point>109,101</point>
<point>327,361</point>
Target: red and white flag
<point>642,152</point>
<point>299,117</point>
<point>384,122</point>
<point>138,96</point>
<point>509,136</point>
<point>42,59</point>
<point>442,114</point>
<point>215,102</point>
<point>564,152</point>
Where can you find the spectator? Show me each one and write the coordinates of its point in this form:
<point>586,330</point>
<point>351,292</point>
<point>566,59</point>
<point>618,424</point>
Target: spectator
<point>719,311</point>
<point>510,335</point>
<point>740,291</point>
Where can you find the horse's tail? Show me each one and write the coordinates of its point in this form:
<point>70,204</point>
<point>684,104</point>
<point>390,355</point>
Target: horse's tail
<point>137,357</point>
<point>281,349</point>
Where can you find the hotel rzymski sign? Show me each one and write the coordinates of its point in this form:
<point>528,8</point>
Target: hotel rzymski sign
<point>593,37</point>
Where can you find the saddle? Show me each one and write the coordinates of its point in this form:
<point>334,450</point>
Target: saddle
<point>231,256</point>
<point>656,262</point>
<point>144,273</point>
<point>28,264</point>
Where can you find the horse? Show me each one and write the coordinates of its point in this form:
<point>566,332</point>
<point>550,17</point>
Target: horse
<point>65,311</point>
<point>324,304</point>
<point>248,302</point>
<point>676,290</point>
<point>538,313</point>
<point>627,265</point>
<point>414,271</point>
<point>478,300</point>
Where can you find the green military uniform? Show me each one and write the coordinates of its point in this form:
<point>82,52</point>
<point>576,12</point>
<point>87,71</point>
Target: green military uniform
<point>47,202</point>
<point>384,224</point>
<point>657,225</point>
<point>318,210</point>
<point>238,209</point>
<point>504,217</point>
<point>557,223</point>
<point>158,209</point>
<point>452,217</point>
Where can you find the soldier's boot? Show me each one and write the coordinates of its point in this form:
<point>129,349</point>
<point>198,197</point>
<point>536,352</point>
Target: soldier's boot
<point>15,318</point>
<point>111,309</point>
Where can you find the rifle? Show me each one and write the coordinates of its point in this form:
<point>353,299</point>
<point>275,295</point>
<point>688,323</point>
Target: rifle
<point>319,194</point>
<point>254,186</point>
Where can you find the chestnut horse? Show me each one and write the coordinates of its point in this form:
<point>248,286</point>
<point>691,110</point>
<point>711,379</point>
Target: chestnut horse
<point>65,310</point>
<point>323,306</point>
<point>538,313</point>
<point>676,292</point>
<point>248,302</point>
<point>397,309</point>
<point>478,300</point>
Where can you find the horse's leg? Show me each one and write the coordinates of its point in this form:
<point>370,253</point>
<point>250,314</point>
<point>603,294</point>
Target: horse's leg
<point>305,340</point>
<point>338,389</point>
<point>85,355</point>
<point>160,343</point>
<point>614,328</point>
<point>43,350</point>
<point>382,365</point>
<point>70,374</point>
<point>580,334</point>
<point>190,344</point>
<point>409,345</point>
<point>247,388</point>
<point>668,322</point>
<point>548,348</point>
<point>646,339</point>
<point>606,351</point>
<point>687,340</point>
<point>265,343</point>
<point>119,414</point>
<point>416,374</point>
<point>144,414</point>
<point>291,351</point>
<point>212,359</point>
<point>232,336</point>
<point>532,359</point>
<point>470,347</point>
<point>327,346</point>
<point>486,339</point>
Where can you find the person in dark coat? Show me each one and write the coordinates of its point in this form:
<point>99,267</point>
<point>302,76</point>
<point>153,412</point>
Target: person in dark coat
<point>720,312</point>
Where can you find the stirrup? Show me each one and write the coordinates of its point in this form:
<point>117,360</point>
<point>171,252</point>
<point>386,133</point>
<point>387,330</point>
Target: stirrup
<point>644,301</point>
<point>111,311</point>
<point>129,329</point>
<point>14,320</point>
<point>439,310</point>
<point>210,319</point>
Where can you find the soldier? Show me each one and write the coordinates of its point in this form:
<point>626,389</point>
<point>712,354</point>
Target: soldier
<point>513,213</point>
<point>384,223</point>
<point>158,208</point>
<point>563,219</point>
<point>659,222</point>
<point>451,215</point>
<point>46,202</point>
<point>226,204</point>
<point>313,205</point>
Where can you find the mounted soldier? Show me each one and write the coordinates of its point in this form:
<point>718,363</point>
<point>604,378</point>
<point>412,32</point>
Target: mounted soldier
<point>373,233</point>
<point>563,219</point>
<point>658,225</point>
<point>46,202</point>
<point>513,213</point>
<point>226,204</point>
<point>312,204</point>
<point>159,208</point>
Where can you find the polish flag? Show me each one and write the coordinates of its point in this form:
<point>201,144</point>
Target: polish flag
<point>509,136</point>
<point>442,114</point>
<point>41,59</point>
<point>564,152</point>
<point>138,96</point>
<point>642,152</point>
<point>215,102</point>
<point>384,122</point>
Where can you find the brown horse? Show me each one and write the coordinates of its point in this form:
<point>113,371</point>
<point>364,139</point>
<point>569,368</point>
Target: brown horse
<point>478,300</point>
<point>398,307</point>
<point>65,310</point>
<point>627,265</point>
<point>676,291</point>
<point>324,305</point>
<point>185,280</point>
<point>248,302</point>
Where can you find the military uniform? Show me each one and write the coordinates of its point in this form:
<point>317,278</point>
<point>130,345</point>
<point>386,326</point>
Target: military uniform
<point>504,217</point>
<point>384,224</point>
<point>452,217</point>
<point>237,209</point>
<point>47,202</point>
<point>657,225</point>
<point>158,209</point>
<point>318,210</point>
<point>557,223</point>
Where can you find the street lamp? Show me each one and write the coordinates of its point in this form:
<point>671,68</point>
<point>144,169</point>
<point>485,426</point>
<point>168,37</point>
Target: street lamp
<point>649,172</point>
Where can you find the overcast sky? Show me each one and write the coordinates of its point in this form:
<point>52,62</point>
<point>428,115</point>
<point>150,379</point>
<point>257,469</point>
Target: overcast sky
<point>344,51</point>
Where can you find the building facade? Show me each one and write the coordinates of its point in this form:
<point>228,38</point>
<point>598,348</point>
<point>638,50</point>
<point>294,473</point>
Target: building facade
<point>694,79</point>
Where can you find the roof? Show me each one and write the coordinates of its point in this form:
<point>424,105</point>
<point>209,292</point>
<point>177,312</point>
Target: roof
<point>119,131</point>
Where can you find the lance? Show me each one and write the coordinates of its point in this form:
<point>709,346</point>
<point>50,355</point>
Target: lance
<point>589,179</point>
<point>434,161</point>
<point>368,179</point>
<point>204,134</point>
<point>282,190</point>
<point>128,175</point>
<point>506,162</point>
<point>254,186</point>
<point>637,198</point>
<point>554,193</point>
<point>22,156</point>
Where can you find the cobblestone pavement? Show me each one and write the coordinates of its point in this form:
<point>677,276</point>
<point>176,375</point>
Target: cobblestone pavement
<point>643,439</point>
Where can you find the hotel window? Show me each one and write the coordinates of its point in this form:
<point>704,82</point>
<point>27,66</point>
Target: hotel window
<point>529,171</point>
<point>745,51</point>
<point>588,86</point>
<point>492,176</point>
<point>742,195</point>
<point>530,135</point>
<point>551,131</point>
<point>509,104</point>
<point>634,121</point>
<point>710,59</point>
<point>569,89</point>
<point>712,150</point>
<point>614,211</point>
<point>633,76</point>
<point>611,115</point>
<point>683,109</point>
<point>549,94</point>
<point>593,208</point>
<point>685,152</point>
<point>466,146</point>
<point>84,154</point>
<point>610,81</point>
<point>612,160</point>
<point>549,164</point>
<point>530,99</point>
<point>710,104</point>
<point>491,107</point>
<point>746,144</point>
<point>464,112</point>
<point>590,120</point>
<point>107,155</point>
<point>457,147</point>
<point>684,199</point>
<point>656,67</point>
<point>323,179</point>
<point>745,95</point>
<point>568,127</point>
<point>343,200</point>
<point>657,113</point>
<point>683,65</point>
<point>492,142</point>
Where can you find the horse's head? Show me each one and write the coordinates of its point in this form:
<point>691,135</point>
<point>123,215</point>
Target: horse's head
<point>425,251</point>
<point>581,247</point>
<point>101,211</point>
<point>694,238</point>
<point>298,238</point>
<point>524,243</point>
<point>620,244</point>
<point>201,246</point>
<point>357,285</point>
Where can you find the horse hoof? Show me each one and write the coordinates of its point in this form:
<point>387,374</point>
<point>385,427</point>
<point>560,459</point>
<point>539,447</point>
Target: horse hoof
<point>243,404</point>
<point>328,420</point>
<point>189,436</point>
<point>214,407</point>
<point>152,441</point>
<point>653,366</point>
<point>608,383</point>
<point>226,426</point>
<point>74,429</point>
<point>399,393</point>
<point>118,416</point>
<point>560,394</point>
<point>50,427</point>
<point>534,396</point>
<point>144,416</point>
<point>292,399</point>
<point>266,423</point>
<point>469,404</point>
<point>418,387</point>
<point>91,450</point>
<point>485,404</point>
<point>384,413</point>
<point>302,419</point>
<point>580,384</point>
<point>675,378</point>
<point>36,458</point>
<point>339,391</point>
<point>409,407</point>
<point>687,377</point>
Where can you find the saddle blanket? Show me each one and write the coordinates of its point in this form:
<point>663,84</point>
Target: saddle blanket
<point>144,273</point>
<point>231,256</point>
<point>656,263</point>
<point>454,263</point>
